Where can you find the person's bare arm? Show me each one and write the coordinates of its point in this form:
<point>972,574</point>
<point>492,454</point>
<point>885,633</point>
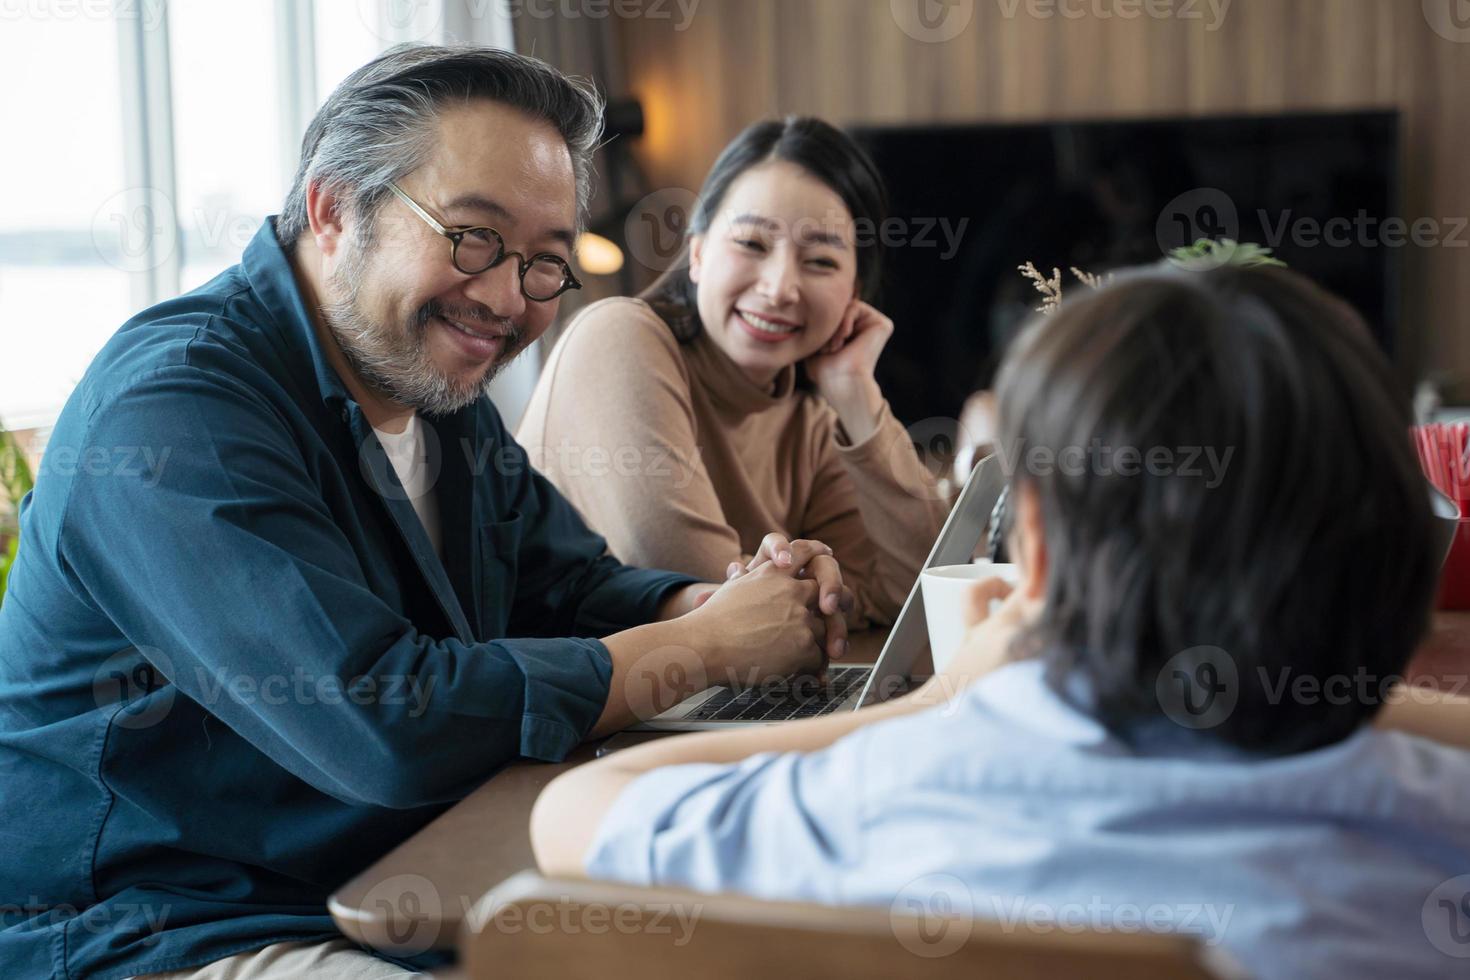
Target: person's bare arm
<point>880,510</point>
<point>569,810</point>
<point>565,819</point>
<point>680,602</point>
<point>1429,714</point>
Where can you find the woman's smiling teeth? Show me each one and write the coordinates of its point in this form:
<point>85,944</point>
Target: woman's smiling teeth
<point>773,328</point>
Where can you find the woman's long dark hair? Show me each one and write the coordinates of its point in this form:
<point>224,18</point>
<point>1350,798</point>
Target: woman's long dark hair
<point>819,148</point>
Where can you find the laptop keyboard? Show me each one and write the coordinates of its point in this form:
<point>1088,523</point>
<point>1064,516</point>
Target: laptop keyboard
<point>797,698</point>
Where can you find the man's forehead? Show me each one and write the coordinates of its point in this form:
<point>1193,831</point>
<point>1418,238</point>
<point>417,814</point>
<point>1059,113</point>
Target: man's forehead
<point>492,157</point>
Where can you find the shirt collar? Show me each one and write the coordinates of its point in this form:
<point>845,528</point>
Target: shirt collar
<point>1062,709</point>
<point>271,277</point>
<point>1022,693</point>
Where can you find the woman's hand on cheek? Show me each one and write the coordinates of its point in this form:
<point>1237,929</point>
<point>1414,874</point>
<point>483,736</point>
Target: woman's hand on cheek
<point>843,369</point>
<point>852,353</point>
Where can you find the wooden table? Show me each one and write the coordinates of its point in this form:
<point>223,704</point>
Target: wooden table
<point>417,896</point>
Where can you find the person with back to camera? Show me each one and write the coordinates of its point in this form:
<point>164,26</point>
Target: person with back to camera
<point>1180,707</point>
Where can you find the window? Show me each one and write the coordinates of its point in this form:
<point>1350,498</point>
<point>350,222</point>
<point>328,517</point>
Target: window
<point>145,143</point>
<point>226,101</point>
<point>65,230</point>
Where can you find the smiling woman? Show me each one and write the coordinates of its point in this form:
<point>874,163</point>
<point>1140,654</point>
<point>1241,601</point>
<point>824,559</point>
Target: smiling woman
<point>738,395</point>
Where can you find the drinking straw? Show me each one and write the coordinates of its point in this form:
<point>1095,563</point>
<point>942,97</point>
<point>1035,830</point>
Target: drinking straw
<point>1445,451</point>
<point>1461,445</point>
<point>1446,465</point>
<point>1460,437</point>
<point>1428,457</point>
<point>1436,448</point>
<point>1444,454</point>
<point>1451,457</point>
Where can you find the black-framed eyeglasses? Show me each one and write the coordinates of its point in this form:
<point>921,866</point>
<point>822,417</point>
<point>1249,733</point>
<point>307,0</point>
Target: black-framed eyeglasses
<point>474,249</point>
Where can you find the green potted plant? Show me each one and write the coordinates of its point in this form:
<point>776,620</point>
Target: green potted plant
<point>15,483</point>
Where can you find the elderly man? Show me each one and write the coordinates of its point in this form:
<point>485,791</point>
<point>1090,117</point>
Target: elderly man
<point>287,587</point>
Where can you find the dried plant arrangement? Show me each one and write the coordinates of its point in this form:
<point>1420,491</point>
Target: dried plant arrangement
<point>1051,288</point>
<point>1204,254</point>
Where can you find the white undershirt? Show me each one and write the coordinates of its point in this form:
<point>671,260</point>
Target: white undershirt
<point>407,452</point>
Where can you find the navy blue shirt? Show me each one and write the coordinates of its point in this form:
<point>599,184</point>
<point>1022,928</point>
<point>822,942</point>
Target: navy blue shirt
<point>233,671</point>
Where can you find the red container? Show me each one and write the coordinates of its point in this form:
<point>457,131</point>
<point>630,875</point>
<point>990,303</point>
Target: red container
<point>1454,578</point>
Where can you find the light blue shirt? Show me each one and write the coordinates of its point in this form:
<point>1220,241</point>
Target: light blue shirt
<point>1014,806</point>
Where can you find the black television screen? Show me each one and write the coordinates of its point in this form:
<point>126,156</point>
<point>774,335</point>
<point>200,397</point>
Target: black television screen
<point>976,201</point>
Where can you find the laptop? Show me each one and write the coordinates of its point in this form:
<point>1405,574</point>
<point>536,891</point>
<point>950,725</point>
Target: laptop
<point>849,687</point>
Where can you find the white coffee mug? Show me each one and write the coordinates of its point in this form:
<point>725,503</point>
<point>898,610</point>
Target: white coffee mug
<point>946,589</point>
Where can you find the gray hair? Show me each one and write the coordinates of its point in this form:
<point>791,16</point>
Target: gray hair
<point>377,125</point>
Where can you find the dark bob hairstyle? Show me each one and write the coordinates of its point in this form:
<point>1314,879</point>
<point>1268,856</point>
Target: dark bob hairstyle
<point>1294,580</point>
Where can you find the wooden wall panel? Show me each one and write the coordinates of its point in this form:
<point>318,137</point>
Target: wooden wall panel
<point>848,60</point>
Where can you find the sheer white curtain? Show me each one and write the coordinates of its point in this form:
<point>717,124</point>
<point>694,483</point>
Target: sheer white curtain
<point>146,141</point>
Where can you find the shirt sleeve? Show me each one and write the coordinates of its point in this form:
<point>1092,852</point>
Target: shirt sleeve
<point>627,452</point>
<point>773,826</point>
<point>221,563</point>
<point>879,509</point>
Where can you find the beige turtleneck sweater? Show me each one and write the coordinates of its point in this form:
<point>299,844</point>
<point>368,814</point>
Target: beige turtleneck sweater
<point>682,462</point>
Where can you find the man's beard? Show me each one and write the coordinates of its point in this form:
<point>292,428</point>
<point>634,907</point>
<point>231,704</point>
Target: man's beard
<point>396,362</point>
